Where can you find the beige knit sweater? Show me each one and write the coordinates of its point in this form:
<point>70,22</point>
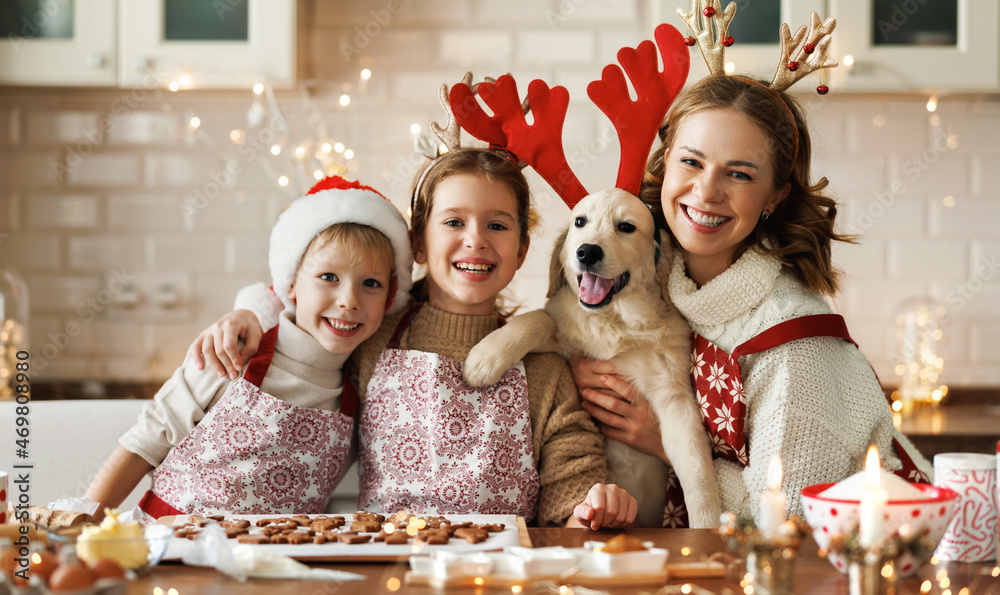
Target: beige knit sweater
<point>568,448</point>
<point>815,402</point>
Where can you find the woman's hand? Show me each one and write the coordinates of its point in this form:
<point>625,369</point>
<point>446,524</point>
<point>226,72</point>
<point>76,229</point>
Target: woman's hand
<point>621,412</point>
<point>606,505</point>
<point>218,344</point>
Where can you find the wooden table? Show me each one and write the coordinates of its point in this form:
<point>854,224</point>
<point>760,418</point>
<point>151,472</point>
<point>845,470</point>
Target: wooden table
<point>814,575</point>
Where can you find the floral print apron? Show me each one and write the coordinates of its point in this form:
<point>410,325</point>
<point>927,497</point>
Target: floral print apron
<point>428,442</point>
<point>718,386</point>
<point>253,453</point>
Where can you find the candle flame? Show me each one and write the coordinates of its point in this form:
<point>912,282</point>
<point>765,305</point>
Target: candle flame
<point>774,473</point>
<point>872,468</point>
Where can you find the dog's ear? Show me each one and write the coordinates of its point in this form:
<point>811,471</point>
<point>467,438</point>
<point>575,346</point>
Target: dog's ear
<point>665,262</point>
<point>557,278</point>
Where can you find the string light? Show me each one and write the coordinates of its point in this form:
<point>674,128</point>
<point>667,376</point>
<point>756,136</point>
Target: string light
<point>848,60</point>
<point>326,148</point>
<point>932,103</point>
<point>174,86</point>
<point>345,100</point>
<point>275,149</point>
<point>185,80</point>
<point>339,147</point>
<point>258,89</point>
<point>348,154</point>
<point>283,181</point>
<point>366,74</point>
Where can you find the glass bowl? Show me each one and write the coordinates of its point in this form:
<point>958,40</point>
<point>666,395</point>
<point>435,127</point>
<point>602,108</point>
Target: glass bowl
<point>156,539</point>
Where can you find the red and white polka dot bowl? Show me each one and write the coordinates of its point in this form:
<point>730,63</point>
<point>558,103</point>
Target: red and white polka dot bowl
<point>831,517</point>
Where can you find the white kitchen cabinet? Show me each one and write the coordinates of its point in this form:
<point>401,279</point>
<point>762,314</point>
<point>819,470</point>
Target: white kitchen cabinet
<point>917,45</point>
<point>58,42</point>
<point>146,43</point>
<point>755,31</point>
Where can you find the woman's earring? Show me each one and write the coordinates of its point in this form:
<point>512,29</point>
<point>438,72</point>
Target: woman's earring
<point>765,215</point>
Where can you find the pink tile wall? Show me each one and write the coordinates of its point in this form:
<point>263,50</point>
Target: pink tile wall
<point>107,205</point>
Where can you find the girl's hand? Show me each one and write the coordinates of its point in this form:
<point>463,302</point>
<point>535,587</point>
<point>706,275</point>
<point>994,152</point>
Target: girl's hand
<point>606,505</point>
<point>218,344</point>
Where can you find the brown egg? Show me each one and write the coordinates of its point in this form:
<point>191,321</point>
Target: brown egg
<point>7,562</point>
<point>43,563</point>
<point>107,568</point>
<point>70,577</point>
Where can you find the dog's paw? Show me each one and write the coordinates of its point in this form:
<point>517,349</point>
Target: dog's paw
<point>483,368</point>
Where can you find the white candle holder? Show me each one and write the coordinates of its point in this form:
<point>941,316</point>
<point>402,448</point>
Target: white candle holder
<point>770,555</point>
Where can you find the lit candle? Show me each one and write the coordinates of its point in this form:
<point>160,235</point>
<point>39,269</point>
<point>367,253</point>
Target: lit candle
<point>772,500</point>
<point>873,501</point>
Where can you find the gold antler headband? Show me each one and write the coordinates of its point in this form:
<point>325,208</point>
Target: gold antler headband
<point>791,67</point>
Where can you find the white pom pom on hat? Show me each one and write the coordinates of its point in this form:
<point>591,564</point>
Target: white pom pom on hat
<point>336,200</point>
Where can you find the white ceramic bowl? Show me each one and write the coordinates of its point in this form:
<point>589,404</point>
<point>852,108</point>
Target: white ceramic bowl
<point>603,563</point>
<point>831,517</point>
<point>527,562</point>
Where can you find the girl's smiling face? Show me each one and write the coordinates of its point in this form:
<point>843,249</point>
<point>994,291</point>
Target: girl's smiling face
<point>718,178</point>
<point>472,244</point>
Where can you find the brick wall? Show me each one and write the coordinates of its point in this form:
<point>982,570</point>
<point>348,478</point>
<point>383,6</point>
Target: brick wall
<point>95,184</point>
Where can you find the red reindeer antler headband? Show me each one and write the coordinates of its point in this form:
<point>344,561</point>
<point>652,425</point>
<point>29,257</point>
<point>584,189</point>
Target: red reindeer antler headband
<point>539,144</point>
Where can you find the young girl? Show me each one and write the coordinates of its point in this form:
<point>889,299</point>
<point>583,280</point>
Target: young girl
<point>731,181</point>
<point>277,439</point>
<point>427,441</point>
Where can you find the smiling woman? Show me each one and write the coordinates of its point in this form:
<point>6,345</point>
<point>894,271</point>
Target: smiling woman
<point>776,373</point>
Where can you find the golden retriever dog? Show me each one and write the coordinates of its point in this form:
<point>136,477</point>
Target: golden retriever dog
<point>607,300</point>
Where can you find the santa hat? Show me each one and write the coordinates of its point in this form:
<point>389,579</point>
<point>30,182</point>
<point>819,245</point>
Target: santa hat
<point>335,200</point>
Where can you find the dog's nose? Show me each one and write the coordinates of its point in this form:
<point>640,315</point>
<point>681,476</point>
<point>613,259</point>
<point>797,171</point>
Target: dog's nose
<point>589,254</point>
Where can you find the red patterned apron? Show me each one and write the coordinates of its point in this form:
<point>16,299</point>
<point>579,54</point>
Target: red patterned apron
<point>718,385</point>
<point>430,443</point>
<point>253,453</point>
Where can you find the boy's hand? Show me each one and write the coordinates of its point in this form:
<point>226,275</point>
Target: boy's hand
<point>605,506</point>
<point>218,344</point>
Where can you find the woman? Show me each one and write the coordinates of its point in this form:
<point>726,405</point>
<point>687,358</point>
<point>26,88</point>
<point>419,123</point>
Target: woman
<point>731,182</point>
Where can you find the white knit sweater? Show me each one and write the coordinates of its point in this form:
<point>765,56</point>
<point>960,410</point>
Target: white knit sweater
<point>815,402</point>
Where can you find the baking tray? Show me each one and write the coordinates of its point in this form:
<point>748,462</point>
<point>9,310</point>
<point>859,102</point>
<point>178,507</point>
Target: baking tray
<point>515,533</point>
